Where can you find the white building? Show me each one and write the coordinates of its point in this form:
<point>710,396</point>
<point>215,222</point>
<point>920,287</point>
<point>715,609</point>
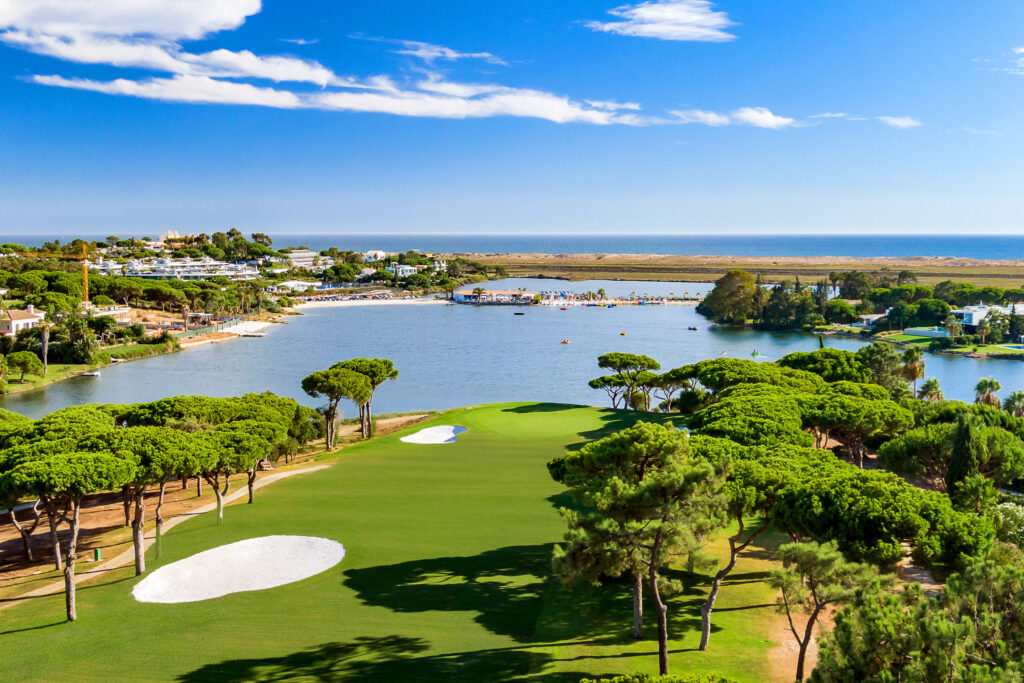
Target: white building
<point>970,316</point>
<point>440,266</point>
<point>293,286</point>
<point>401,271</point>
<point>178,269</point>
<point>12,322</point>
<point>310,260</point>
<point>374,256</point>
<point>494,296</point>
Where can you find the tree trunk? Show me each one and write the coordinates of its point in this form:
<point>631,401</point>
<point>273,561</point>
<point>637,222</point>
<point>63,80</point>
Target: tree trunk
<point>69,565</point>
<point>734,551</point>
<point>804,642</point>
<point>159,516</point>
<point>252,480</point>
<point>126,500</point>
<point>51,515</point>
<point>139,531</point>
<point>26,534</point>
<point>662,612</point>
<point>46,348</point>
<point>184,481</point>
<point>199,486</point>
<point>638,605</point>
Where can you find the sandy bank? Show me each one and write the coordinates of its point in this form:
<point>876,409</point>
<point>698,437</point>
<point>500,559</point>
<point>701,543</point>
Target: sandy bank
<point>370,302</point>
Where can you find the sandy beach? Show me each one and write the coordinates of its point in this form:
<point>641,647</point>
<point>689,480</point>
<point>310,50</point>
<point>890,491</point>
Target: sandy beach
<point>353,303</point>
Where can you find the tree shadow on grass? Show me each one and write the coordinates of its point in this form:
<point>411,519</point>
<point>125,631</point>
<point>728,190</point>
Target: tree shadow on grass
<point>511,592</point>
<point>391,658</point>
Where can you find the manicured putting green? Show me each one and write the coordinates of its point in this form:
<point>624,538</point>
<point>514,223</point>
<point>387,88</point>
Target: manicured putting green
<point>446,576</point>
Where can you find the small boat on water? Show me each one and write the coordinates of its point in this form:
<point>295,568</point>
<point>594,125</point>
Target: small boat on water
<point>622,334</point>
<point>90,374</point>
<point>518,313</point>
<point>693,328</point>
<point>564,308</point>
<point>565,341</point>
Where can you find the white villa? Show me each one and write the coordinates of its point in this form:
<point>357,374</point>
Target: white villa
<point>177,269</point>
<point>374,256</point>
<point>292,286</point>
<point>401,271</point>
<point>970,316</point>
<point>12,322</point>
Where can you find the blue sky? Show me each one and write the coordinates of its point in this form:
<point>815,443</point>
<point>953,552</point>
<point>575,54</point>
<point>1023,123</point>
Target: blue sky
<point>666,116</point>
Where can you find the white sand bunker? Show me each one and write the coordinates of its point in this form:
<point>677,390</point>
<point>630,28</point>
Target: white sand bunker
<point>442,434</point>
<point>251,565</point>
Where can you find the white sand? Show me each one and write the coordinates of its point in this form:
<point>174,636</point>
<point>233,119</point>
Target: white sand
<point>248,327</point>
<point>435,435</point>
<point>354,303</point>
<point>251,565</point>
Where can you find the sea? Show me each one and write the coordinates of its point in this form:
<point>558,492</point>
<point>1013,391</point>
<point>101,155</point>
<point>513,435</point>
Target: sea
<point>964,246</point>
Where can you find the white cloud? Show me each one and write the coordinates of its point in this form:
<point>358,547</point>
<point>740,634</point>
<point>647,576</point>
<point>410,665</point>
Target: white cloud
<point>899,121</point>
<point>300,41</point>
<point>982,131</point>
<point>761,118</point>
<point>183,89</point>
<point>611,105</point>
<point>430,53</point>
<point>830,115</point>
<point>688,20</point>
<point>707,118</point>
<point>1018,50</point>
<point>168,19</point>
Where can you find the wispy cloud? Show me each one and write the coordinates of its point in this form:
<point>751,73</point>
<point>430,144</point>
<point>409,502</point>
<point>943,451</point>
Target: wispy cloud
<point>982,131</point>
<point>758,117</point>
<point>430,53</point>
<point>686,20</point>
<point>707,118</point>
<point>301,41</point>
<point>761,118</point>
<point>899,121</point>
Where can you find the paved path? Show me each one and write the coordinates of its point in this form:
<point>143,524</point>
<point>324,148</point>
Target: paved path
<point>127,557</point>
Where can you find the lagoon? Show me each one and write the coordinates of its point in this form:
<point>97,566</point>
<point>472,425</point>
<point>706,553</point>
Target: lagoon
<point>460,355</point>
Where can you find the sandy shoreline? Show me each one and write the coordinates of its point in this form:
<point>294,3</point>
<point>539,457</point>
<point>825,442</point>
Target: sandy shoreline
<point>370,302</point>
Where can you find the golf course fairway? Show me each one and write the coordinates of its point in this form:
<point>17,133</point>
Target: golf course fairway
<point>446,576</point>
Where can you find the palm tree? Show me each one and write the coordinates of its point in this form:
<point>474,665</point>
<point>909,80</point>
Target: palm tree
<point>930,390</point>
<point>1014,403</point>
<point>983,328</point>
<point>953,326</point>
<point>913,365</point>
<point>478,292</point>
<point>985,391</point>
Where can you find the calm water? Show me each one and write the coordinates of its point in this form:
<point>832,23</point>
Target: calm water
<point>463,355</point>
<point>969,246</point>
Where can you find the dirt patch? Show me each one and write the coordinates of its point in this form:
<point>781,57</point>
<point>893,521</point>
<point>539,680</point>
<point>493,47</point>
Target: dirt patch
<point>385,426</point>
<point>783,657</point>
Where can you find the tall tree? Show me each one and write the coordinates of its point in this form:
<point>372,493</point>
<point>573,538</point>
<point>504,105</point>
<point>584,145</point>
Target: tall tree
<point>377,371</point>
<point>61,482</point>
<point>986,391</point>
<point>629,367</point>
<point>930,390</point>
<point>664,514</point>
<point>814,577</point>
<point>913,365</point>
<point>336,384</point>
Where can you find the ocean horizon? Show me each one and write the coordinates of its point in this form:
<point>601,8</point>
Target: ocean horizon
<point>859,246</point>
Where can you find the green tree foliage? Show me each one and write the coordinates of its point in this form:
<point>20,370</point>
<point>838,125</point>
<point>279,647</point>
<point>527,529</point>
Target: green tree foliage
<point>814,578</point>
<point>25,363</point>
<point>60,482</point>
<point>885,366</point>
<point>832,365</point>
<point>732,300</point>
<point>852,420</point>
<point>718,373</point>
<point>335,385</point>
<point>753,420</point>
<point>666,513</point>
<point>986,391</point>
<point>973,632</point>
<point>838,311</point>
<point>377,371</point>
<point>631,368</point>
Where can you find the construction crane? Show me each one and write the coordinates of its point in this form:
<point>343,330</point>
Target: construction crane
<point>83,257</point>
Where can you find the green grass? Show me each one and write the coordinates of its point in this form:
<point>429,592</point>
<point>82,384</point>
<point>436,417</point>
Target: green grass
<point>909,339</point>
<point>447,577</point>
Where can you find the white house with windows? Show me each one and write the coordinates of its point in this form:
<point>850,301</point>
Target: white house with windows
<point>374,256</point>
<point>400,271</point>
<point>12,322</point>
<point>970,316</point>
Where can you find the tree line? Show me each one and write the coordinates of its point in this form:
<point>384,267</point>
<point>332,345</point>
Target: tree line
<point>783,445</point>
<point>60,459</point>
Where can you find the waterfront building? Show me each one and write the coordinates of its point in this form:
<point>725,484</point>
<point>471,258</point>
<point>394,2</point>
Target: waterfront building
<point>400,271</point>
<point>308,260</point>
<point>494,296</point>
<point>970,316</point>
<point>177,269</point>
<point>374,256</point>
<point>13,321</point>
